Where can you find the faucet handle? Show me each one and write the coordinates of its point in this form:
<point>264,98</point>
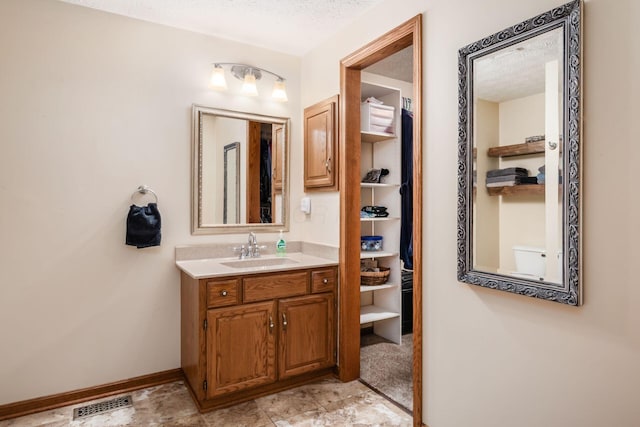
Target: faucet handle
<point>256,249</point>
<point>243,251</point>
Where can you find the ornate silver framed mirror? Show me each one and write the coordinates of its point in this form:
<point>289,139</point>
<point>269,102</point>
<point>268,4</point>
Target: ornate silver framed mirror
<point>519,150</point>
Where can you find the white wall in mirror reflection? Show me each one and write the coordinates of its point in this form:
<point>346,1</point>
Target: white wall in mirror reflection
<point>217,132</point>
<point>515,98</point>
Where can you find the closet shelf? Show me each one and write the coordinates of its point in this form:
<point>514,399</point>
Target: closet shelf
<point>377,288</point>
<point>377,254</point>
<point>376,185</point>
<point>373,313</point>
<point>366,136</point>
<point>514,190</point>
<point>517,149</point>
<point>389,218</point>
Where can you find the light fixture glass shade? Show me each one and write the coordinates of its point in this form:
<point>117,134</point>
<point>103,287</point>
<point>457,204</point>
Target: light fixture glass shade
<point>279,91</point>
<point>249,85</point>
<point>217,80</point>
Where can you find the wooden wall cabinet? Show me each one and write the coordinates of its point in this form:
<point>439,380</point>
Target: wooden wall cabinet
<point>320,146</point>
<point>247,336</point>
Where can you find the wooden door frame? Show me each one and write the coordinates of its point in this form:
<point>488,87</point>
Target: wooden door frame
<point>405,35</point>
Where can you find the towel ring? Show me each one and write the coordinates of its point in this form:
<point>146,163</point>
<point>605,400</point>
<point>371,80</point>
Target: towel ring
<point>143,189</point>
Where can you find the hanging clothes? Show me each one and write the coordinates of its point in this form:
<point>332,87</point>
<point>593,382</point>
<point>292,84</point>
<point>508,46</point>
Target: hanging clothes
<point>406,191</point>
<point>265,179</point>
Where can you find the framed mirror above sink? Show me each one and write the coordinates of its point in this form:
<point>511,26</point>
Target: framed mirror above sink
<point>239,171</point>
<point>519,151</point>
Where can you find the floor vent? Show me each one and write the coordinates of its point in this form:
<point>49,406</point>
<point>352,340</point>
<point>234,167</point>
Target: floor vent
<point>101,407</point>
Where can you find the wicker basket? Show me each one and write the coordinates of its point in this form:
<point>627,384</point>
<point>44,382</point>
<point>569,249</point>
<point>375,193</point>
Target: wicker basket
<point>374,278</point>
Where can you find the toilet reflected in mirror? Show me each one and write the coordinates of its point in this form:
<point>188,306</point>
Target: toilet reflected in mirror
<point>531,262</point>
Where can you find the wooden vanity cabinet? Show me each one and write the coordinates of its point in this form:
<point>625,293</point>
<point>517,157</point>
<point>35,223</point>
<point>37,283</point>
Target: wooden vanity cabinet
<point>306,334</point>
<point>247,336</point>
<point>240,348</point>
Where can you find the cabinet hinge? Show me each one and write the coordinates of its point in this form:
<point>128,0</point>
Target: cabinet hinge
<point>204,385</point>
<point>205,324</point>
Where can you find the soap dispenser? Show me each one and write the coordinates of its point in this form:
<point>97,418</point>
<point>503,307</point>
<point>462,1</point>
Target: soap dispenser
<point>281,245</point>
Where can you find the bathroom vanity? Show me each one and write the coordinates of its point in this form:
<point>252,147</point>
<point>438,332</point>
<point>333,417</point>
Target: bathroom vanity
<point>256,326</point>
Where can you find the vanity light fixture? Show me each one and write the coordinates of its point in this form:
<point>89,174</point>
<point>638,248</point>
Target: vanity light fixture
<point>217,80</point>
<point>249,76</point>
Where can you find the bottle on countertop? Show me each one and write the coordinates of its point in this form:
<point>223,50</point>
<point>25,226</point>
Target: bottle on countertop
<point>281,245</point>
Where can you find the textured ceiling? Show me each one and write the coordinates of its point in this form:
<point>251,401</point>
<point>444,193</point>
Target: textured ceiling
<point>289,26</point>
<point>519,70</point>
<point>398,66</point>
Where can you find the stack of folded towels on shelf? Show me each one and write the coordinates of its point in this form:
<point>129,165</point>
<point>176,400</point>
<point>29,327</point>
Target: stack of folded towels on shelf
<point>509,177</point>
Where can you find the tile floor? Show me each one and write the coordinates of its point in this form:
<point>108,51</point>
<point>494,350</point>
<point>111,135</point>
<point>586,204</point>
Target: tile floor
<point>324,403</point>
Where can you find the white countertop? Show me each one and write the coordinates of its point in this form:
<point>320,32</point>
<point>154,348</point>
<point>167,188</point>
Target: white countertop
<point>215,267</point>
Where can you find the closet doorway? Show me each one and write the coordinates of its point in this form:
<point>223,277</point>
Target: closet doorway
<point>352,69</point>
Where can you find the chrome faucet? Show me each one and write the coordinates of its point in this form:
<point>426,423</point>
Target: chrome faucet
<point>252,250</point>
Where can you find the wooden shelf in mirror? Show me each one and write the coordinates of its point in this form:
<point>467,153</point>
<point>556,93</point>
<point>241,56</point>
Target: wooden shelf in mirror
<point>513,190</point>
<point>516,149</point>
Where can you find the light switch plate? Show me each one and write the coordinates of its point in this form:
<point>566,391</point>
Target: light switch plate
<point>305,205</point>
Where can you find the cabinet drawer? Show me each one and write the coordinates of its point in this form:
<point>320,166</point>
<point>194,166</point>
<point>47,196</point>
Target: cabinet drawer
<point>262,288</point>
<point>323,280</point>
<point>221,293</point>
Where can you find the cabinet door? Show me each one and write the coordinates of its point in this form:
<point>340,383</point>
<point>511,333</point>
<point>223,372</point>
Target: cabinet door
<point>240,347</point>
<point>320,145</point>
<point>307,337</point>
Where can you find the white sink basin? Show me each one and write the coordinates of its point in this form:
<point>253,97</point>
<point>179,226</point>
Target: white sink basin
<point>258,262</point>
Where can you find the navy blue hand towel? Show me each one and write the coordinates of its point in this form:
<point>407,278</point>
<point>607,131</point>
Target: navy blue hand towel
<point>143,226</point>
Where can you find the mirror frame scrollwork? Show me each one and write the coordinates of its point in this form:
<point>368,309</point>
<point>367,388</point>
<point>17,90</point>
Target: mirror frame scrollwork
<point>569,17</point>
<point>197,228</point>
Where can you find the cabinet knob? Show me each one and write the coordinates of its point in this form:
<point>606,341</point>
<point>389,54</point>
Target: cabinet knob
<point>284,321</point>
<point>271,325</point>
<point>327,164</point>
<point>325,281</point>
<point>223,293</point>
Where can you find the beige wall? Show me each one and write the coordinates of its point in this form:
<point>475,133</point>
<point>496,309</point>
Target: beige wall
<point>486,209</point>
<point>92,106</point>
<point>522,218</point>
<point>497,359</point>
<point>217,132</point>
<point>211,175</point>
